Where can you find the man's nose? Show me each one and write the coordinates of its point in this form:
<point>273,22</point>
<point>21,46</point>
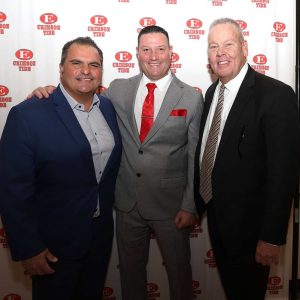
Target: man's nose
<point>220,50</point>
<point>85,68</point>
<point>153,55</point>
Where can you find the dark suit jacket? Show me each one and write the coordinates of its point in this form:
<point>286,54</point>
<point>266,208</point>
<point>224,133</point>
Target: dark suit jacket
<point>257,163</point>
<point>48,187</point>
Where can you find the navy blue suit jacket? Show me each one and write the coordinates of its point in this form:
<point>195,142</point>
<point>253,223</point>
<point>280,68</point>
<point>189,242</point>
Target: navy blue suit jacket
<point>48,187</point>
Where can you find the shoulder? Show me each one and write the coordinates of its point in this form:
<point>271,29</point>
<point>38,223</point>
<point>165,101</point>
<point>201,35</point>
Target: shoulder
<point>267,84</point>
<point>35,108</point>
<point>27,115</point>
<point>122,88</point>
<point>31,104</point>
<point>190,90</point>
<point>273,94</point>
<point>123,82</point>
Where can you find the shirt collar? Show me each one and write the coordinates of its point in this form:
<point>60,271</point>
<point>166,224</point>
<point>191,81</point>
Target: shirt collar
<point>75,104</point>
<point>235,83</point>
<point>161,83</point>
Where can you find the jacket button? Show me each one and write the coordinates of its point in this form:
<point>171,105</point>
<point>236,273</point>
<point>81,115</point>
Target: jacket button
<point>141,151</point>
<point>138,174</point>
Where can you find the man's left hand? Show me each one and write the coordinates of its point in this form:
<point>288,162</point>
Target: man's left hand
<point>267,254</point>
<point>184,219</point>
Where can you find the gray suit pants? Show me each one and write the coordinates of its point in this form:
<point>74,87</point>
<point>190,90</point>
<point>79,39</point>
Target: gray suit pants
<point>133,238</point>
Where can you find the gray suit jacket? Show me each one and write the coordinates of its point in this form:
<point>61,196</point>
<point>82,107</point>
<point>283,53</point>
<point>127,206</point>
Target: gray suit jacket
<point>158,174</point>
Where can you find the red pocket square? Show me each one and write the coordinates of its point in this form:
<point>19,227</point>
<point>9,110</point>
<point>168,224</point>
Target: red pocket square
<point>178,112</point>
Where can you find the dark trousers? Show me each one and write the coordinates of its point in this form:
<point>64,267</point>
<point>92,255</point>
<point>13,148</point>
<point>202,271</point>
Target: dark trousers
<point>81,279</point>
<point>241,276</point>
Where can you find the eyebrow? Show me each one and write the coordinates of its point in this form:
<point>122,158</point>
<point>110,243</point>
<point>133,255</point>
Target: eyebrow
<point>78,60</point>
<point>229,40</point>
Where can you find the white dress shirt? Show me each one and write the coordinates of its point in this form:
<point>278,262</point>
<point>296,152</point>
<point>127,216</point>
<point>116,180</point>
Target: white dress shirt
<point>231,89</point>
<point>159,95</point>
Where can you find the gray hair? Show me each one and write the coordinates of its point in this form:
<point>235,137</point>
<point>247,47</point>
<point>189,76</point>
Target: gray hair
<point>228,21</point>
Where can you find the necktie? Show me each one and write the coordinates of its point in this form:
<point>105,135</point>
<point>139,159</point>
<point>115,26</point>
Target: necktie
<point>147,112</point>
<point>210,150</point>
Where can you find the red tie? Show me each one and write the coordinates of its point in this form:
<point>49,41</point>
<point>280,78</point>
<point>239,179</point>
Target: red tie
<point>148,111</point>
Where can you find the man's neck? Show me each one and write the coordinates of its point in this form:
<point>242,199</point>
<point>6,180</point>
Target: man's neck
<point>85,99</point>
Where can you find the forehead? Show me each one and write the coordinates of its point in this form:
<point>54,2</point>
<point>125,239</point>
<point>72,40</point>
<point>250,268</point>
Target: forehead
<point>84,51</point>
<point>223,32</point>
<point>153,38</point>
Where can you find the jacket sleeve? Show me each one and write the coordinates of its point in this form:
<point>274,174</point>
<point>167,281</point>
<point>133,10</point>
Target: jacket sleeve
<point>281,131</point>
<point>17,187</point>
<point>188,203</point>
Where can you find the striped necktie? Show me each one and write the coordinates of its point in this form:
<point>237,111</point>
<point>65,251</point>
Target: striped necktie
<point>210,150</point>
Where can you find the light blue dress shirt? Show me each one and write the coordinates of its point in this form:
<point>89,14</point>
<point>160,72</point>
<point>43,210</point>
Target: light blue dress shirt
<point>97,133</point>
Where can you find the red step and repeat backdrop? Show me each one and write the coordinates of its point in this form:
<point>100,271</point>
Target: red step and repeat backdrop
<point>32,33</point>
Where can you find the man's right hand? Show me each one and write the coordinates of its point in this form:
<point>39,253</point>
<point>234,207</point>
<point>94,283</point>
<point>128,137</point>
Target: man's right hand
<point>42,92</point>
<point>38,265</point>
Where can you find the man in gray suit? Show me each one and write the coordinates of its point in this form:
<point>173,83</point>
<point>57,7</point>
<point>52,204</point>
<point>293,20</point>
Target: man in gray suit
<point>154,189</point>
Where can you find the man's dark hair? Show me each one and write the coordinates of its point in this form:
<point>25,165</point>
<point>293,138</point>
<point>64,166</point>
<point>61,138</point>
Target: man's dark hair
<point>80,41</point>
<point>153,29</point>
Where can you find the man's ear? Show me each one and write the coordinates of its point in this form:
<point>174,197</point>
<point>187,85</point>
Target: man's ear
<point>61,69</point>
<point>245,48</point>
<point>137,52</point>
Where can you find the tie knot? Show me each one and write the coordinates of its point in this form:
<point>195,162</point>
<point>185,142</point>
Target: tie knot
<point>151,87</point>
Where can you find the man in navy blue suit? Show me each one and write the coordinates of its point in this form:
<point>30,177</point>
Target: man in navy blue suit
<point>59,160</point>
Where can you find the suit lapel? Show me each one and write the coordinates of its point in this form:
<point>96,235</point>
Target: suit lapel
<point>208,100</point>
<point>242,98</point>
<point>129,98</point>
<point>68,118</point>
<point>125,109</point>
<point>110,118</point>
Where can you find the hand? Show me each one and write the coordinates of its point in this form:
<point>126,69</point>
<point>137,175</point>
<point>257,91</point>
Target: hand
<point>184,219</point>
<point>267,254</point>
<point>38,265</point>
<point>42,92</point>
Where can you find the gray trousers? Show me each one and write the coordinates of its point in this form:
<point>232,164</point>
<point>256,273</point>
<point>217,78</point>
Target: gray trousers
<point>133,239</point>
